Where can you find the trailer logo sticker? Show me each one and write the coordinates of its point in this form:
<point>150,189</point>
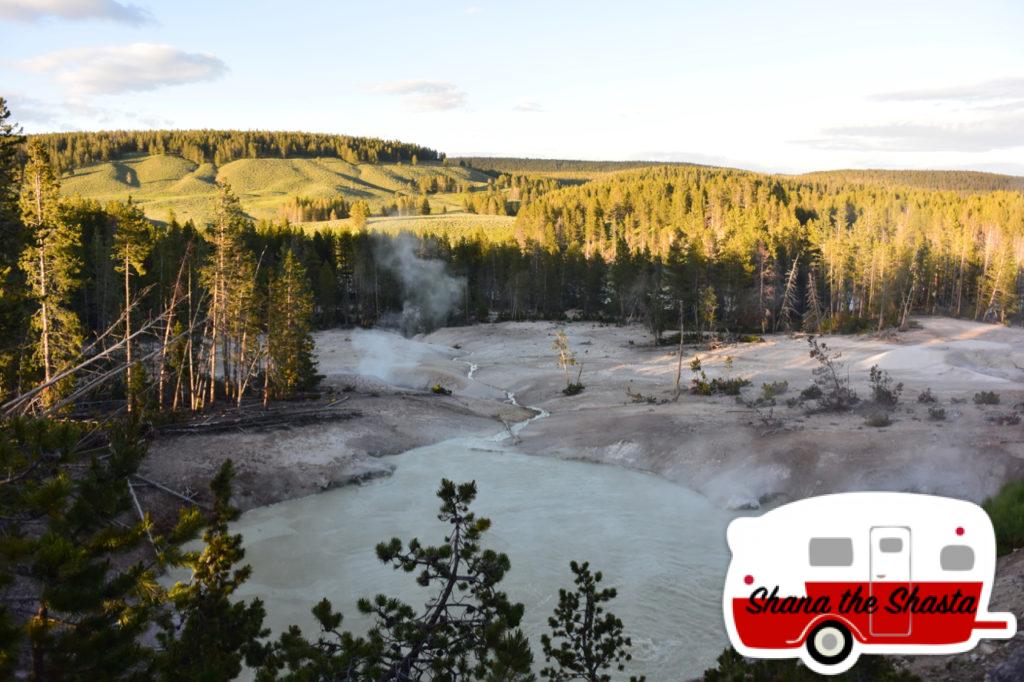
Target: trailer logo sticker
<point>828,578</point>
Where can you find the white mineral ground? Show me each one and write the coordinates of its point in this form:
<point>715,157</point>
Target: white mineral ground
<point>710,444</point>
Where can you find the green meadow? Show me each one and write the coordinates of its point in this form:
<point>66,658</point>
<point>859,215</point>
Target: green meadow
<point>160,184</point>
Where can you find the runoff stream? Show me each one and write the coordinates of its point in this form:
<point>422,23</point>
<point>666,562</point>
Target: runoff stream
<point>661,545</point>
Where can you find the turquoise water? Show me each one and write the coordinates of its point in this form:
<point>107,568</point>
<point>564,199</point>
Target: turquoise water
<point>661,545</point>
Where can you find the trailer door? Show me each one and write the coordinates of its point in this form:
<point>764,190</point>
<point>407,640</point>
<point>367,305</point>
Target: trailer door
<point>890,569</point>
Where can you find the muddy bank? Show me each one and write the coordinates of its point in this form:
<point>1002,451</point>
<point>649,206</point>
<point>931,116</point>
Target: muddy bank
<point>712,444</point>
<point>726,451</point>
<point>385,411</point>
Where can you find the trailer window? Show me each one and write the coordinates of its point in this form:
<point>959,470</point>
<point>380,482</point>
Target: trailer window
<point>956,558</point>
<point>891,545</point>
<point>831,552</point>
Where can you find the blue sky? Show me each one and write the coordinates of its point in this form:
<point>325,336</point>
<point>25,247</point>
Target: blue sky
<point>786,86</point>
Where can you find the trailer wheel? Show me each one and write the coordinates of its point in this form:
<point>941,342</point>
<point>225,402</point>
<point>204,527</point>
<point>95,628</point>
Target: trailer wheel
<point>830,643</point>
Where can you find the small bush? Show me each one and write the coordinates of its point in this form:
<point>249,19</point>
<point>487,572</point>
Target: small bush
<point>775,388</point>
<point>728,386</point>
<point>640,397</point>
<point>749,338</point>
<point>573,389</point>
<point>878,420</point>
<point>936,413</point>
<point>702,386</point>
<point>1011,419</point>
<point>926,396</point>
<point>812,392</point>
<point>768,394</point>
<point>438,389</point>
<point>986,398</point>
<point>883,389</point>
<point>1007,513</point>
<point>695,365</point>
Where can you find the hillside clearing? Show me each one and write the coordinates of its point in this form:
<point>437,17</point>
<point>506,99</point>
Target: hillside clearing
<point>162,183</point>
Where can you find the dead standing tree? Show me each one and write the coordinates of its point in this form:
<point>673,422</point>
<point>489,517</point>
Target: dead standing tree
<point>567,359</point>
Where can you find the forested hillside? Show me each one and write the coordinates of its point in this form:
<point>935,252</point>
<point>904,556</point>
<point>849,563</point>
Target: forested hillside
<point>75,149</point>
<point>957,181</point>
<point>756,251</point>
<point>564,168</point>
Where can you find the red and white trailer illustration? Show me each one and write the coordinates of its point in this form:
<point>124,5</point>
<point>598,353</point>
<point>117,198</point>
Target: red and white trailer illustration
<point>828,578</point>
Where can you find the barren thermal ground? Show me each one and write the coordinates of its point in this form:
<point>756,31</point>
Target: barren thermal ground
<point>715,445</point>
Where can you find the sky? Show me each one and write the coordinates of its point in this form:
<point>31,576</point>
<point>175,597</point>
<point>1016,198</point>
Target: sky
<point>784,86</point>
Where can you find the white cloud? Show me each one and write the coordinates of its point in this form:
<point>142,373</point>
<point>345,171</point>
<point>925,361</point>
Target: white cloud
<point>1005,132</point>
<point>34,10</point>
<point>528,105</point>
<point>128,68</point>
<point>74,114</point>
<point>425,95</point>
<point>1001,88</point>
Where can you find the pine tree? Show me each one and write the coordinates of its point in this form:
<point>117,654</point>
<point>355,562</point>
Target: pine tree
<point>132,242</point>
<point>585,640</point>
<point>13,314</point>
<point>812,308</point>
<point>89,602</point>
<point>215,631</point>
<point>291,365</point>
<point>229,276</point>
<point>358,214</point>
<point>51,264</point>
<point>468,631</point>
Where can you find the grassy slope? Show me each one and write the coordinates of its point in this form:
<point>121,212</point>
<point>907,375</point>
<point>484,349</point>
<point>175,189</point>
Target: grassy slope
<point>161,183</point>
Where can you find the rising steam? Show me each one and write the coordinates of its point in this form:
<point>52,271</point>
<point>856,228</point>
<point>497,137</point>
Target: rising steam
<point>429,293</point>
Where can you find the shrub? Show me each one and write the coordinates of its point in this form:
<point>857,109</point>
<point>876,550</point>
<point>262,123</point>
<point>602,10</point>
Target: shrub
<point>573,389</point>
<point>937,413</point>
<point>440,390</point>
<point>768,394</point>
<point>986,398</point>
<point>1011,419</point>
<point>878,419</point>
<point>926,396</point>
<point>812,392</point>
<point>1007,513</point>
<point>640,397</point>
<point>882,387</point>
<point>728,386</point>
<point>773,389</point>
<point>702,386</point>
